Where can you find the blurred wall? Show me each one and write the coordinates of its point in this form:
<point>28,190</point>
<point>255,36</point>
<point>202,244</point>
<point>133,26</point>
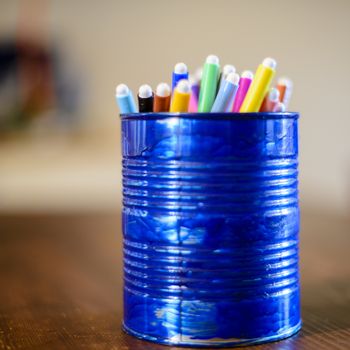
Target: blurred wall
<point>139,41</point>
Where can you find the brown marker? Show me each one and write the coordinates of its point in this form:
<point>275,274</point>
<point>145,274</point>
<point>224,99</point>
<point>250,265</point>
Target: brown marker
<point>162,98</point>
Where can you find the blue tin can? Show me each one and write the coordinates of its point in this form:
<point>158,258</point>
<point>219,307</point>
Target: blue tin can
<point>211,224</point>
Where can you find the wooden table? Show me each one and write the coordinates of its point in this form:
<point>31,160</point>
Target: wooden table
<point>61,284</point>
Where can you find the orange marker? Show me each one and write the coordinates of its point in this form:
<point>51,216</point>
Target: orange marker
<point>270,100</point>
<point>162,98</point>
<point>285,87</point>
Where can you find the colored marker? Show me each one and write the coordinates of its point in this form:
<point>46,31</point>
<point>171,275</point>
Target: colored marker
<point>226,94</point>
<point>180,72</point>
<point>125,99</point>
<point>209,83</point>
<point>198,77</point>
<point>259,86</point>
<point>145,98</point>
<point>270,100</point>
<point>244,83</point>
<point>279,108</point>
<point>181,97</point>
<point>285,87</point>
<point>228,68</point>
<point>162,98</point>
<point>193,105</point>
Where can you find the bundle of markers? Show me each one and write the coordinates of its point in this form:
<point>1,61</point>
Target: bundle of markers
<point>211,90</point>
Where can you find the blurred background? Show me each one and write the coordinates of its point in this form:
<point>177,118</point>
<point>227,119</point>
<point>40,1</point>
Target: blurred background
<point>61,60</point>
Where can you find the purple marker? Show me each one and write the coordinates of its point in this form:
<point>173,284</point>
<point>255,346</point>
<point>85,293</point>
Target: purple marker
<point>244,83</point>
<point>196,84</point>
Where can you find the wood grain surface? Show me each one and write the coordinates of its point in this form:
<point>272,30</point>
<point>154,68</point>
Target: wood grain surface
<point>61,284</point>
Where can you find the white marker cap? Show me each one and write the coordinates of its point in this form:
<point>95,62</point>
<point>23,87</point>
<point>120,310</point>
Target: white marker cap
<point>180,68</point>
<point>183,86</point>
<point>228,68</point>
<point>280,107</point>
<point>212,59</point>
<point>163,90</point>
<point>192,79</point>
<point>248,74</point>
<point>269,62</point>
<point>274,95</point>
<point>198,74</point>
<point>122,90</point>
<point>233,78</point>
<point>145,91</point>
<point>285,81</point>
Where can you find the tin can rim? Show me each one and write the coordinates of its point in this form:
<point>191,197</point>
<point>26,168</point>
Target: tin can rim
<point>211,116</point>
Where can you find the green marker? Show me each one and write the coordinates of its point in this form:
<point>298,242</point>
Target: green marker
<point>209,83</point>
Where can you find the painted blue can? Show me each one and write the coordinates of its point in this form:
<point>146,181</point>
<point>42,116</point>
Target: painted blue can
<point>211,225</point>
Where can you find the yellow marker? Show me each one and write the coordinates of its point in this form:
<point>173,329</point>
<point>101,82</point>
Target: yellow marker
<point>259,86</point>
<point>181,97</point>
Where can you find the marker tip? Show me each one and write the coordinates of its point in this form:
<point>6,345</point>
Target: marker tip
<point>145,91</point>
<point>183,86</point>
<point>270,63</point>
<point>121,90</point>
<point>212,59</point>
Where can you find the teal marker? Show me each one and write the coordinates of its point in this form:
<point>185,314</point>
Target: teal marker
<point>209,83</point>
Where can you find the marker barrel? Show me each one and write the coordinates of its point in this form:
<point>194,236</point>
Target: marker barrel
<point>208,88</point>
<point>145,104</point>
<point>224,99</point>
<point>210,225</point>
<point>270,101</point>
<point>177,77</point>
<point>161,104</point>
<point>193,104</point>
<point>181,98</point>
<point>126,103</point>
<point>244,84</point>
<point>258,89</point>
<point>195,90</point>
<point>285,89</point>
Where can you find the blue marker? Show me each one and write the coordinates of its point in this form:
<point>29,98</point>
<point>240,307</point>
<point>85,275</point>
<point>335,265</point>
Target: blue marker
<point>226,95</point>
<point>125,99</point>
<point>180,72</point>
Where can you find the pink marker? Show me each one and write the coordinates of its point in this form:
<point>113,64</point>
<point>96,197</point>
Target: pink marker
<point>244,83</point>
<point>193,104</point>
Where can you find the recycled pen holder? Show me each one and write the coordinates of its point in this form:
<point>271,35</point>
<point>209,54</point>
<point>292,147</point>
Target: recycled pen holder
<point>210,225</point>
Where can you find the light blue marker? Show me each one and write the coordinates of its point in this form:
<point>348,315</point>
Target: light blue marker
<point>226,95</point>
<point>180,72</point>
<point>228,69</point>
<point>125,99</point>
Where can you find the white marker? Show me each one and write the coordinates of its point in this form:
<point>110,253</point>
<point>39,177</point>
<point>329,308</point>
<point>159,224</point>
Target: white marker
<point>279,108</point>
<point>285,87</point>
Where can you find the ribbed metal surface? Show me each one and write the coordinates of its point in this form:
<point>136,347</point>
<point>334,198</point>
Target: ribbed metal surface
<point>210,224</point>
